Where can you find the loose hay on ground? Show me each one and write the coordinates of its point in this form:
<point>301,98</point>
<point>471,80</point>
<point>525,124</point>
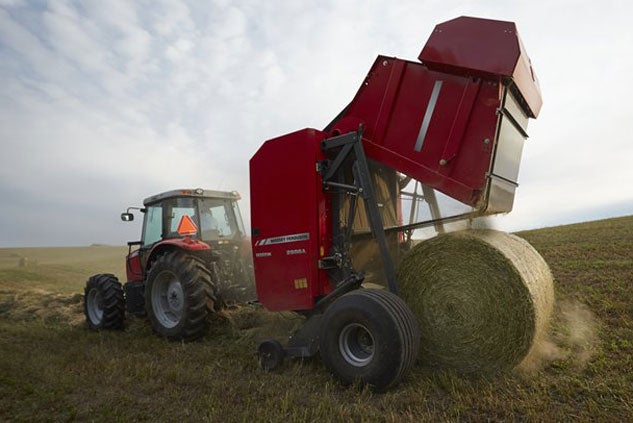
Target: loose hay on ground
<point>244,322</point>
<point>41,305</point>
<point>483,299</point>
<point>252,323</point>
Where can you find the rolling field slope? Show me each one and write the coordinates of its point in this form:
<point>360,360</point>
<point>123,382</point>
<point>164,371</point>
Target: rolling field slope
<point>53,368</point>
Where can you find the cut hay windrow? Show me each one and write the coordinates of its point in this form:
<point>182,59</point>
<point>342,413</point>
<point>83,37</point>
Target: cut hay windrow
<point>41,305</point>
<point>483,299</point>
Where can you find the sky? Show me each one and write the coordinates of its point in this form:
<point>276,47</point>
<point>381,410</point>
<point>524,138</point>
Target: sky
<point>104,103</point>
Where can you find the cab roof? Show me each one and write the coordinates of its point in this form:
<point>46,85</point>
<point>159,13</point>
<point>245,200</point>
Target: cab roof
<point>196,193</point>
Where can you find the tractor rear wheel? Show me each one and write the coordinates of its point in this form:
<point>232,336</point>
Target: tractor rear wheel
<point>369,337</point>
<point>104,304</point>
<point>179,296</point>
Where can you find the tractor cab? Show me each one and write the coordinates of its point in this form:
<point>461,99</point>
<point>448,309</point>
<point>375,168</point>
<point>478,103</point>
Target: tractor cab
<point>203,223</point>
<point>212,217</point>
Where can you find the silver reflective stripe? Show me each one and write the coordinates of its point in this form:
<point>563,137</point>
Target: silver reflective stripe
<point>427,115</point>
<point>283,239</point>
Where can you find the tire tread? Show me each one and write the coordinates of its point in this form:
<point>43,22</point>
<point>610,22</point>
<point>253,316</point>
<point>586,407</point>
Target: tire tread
<point>200,295</point>
<point>113,301</point>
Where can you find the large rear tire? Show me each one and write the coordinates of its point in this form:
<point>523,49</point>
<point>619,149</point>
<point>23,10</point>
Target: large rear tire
<point>104,303</point>
<point>369,337</point>
<point>179,296</point>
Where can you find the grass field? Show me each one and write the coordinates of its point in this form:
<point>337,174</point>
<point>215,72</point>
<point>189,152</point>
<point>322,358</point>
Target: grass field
<point>52,368</point>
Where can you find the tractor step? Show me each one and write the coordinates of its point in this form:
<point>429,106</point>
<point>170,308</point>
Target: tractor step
<point>135,298</point>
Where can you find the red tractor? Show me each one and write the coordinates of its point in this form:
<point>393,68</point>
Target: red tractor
<point>193,256</point>
<point>453,124</point>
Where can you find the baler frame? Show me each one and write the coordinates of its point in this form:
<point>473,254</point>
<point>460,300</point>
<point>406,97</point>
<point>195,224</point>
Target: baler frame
<point>304,342</point>
<point>350,145</point>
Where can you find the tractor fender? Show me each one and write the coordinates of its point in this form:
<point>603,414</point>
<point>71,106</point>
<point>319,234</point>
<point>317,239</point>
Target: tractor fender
<point>188,245</point>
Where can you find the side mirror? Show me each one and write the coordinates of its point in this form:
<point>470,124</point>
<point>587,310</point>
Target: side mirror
<point>127,217</point>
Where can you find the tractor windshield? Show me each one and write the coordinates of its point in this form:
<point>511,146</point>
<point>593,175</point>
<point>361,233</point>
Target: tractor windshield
<point>218,219</point>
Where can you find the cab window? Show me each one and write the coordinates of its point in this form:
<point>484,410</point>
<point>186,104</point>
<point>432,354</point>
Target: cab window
<point>217,219</point>
<point>175,210</point>
<point>153,225</point>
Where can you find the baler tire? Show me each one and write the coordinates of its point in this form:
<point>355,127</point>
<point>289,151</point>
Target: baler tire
<point>104,302</point>
<point>406,319</point>
<point>369,337</point>
<point>180,296</point>
<point>270,355</point>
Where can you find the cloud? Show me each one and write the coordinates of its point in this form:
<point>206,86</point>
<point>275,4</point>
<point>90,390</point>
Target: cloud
<point>105,103</point>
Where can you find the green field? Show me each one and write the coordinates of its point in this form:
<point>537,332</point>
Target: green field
<point>53,368</point>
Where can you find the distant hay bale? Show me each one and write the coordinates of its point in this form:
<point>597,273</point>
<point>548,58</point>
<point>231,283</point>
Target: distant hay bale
<point>483,299</point>
<point>27,262</point>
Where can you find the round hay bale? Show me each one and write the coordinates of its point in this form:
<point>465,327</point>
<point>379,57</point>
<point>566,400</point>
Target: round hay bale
<point>483,299</point>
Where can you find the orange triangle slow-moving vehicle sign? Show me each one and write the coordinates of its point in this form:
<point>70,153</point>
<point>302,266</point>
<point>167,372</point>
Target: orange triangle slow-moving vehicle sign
<point>186,226</point>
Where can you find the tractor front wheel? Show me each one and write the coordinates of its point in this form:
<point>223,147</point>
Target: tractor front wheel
<point>369,337</point>
<point>179,296</point>
<point>104,304</point>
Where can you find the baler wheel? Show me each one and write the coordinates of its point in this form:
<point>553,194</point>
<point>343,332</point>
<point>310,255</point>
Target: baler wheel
<point>179,296</point>
<point>270,354</point>
<point>369,337</point>
<point>104,303</point>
